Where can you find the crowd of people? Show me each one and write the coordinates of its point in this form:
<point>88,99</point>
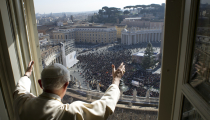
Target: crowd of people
<point>131,114</point>
<point>123,113</point>
<point>96,69</point>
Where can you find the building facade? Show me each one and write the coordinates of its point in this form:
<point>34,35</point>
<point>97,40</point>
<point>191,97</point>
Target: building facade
<point>119,29</point>
<point>43,39</point>
<point>87,34</point>
<point>135,36</point>
<point>138,22</point>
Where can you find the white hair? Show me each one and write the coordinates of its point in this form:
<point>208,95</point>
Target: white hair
<point>53,77</point>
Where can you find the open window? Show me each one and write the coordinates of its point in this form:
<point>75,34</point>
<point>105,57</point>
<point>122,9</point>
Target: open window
<point>185,35</point>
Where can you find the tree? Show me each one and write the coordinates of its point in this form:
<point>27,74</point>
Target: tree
<point>126,12</point>
<point>111,12</point>
<point>148,60</point>
<point>100,12</point>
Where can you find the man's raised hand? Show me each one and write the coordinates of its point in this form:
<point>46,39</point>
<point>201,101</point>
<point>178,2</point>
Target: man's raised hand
<point>29,68</point>
<point>117,74</point>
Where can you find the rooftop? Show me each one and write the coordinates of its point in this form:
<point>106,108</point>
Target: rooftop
<point>133,18</point>
<point>121,25</point>
<point>89,27</point>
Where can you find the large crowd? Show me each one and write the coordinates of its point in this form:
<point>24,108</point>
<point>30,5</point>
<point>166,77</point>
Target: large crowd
<point>96,69</point>
<point>131,114</point>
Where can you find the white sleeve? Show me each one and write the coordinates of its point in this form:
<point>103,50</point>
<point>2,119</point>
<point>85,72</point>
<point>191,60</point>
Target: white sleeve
<point>21,94</point>
<point>111,96</point>
<point>97,110</point>
<point>23,87</point>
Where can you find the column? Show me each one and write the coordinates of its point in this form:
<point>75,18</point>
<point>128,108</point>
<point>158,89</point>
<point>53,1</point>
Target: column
<point>127,39</point>
<point>155,37</point>
<point>160,38</point>
<point>146,37</point>
<point>141,37</point>
<point>135,39</point>
<point>149,36</point>
<point>124,39</point>
<point>121,38</point>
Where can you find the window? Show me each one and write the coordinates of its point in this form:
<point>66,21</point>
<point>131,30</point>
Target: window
<point>134,70</point>
<point>195,85</point>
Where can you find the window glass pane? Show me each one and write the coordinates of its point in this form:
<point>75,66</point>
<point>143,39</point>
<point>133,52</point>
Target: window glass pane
<point>200,79</point>
<point>189,112</point>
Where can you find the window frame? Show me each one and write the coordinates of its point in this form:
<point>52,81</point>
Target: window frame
<point>19,45</point>
<point>170,57</point>
<point>184,89</point>
<point>172,45</point>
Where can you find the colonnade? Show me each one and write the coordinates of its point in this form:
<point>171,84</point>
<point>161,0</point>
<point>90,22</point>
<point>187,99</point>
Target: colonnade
<point>57,60</point>
<point>53,59</point>
<point>130,38</point>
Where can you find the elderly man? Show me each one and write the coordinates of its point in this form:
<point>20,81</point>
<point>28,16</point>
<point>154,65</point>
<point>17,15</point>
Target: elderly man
<point>48,106</point>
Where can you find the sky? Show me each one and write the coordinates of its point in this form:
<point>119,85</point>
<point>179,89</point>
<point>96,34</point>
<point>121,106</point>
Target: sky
<point>58,6</point>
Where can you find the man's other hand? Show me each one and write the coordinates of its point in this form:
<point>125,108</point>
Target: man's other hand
<point>117,74</point>
<point>29,68</point>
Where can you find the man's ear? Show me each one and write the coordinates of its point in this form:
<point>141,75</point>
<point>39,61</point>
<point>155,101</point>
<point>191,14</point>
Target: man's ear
<point>66,85</point>
<point>40,83</point>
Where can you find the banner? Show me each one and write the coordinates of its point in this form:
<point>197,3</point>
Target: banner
<point>71,59</point>
<point>135,83</point>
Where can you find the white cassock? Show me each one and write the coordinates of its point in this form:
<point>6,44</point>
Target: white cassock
<point>49,106</point>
